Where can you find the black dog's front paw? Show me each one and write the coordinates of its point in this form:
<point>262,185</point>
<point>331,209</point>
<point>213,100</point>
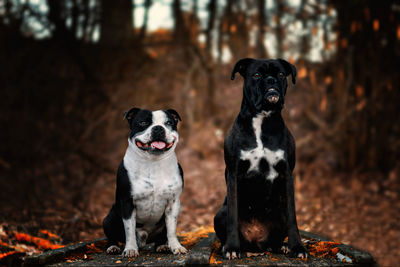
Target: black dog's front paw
<point>231,252</point>
<point>298,251</point>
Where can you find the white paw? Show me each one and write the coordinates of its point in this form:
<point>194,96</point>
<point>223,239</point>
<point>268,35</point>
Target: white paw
<point>162,248</point>
<point>113,250</point>
<point>232,255</point>
<point>178,249</point>
<point>285,249</point>
<point>130,253</point>
<point>302,255</point>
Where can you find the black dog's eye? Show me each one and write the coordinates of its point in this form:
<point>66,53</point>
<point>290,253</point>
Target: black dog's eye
<point>256,75</point>
<point>143,123</point>
<point>169,122</point>
<point>281,75</point>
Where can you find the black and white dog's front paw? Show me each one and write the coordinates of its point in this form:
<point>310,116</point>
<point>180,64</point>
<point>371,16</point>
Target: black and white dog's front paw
<point>231,252</point>
<point>130,253</point>
<point>163,248</point>
<point>113,250</point>
<point>177,249</point>
<point>298,251</point>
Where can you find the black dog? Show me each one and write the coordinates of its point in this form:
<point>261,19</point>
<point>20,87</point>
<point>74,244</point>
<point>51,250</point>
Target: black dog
<point>259,210</point>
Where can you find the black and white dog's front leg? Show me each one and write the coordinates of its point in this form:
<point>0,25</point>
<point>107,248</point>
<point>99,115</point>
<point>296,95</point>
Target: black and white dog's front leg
<point>171,218</point>
<point>296,248</point>
<point>129,219</point>
<point>231,249</point>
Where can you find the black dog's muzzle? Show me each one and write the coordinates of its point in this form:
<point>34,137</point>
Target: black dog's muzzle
<point>272,95</point>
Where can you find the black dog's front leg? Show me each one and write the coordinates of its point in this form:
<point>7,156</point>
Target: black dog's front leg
<point>231,249</point>
<point>295,245</point>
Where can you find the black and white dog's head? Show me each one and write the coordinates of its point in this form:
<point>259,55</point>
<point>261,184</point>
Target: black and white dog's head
<point>153,133</point>
<point>265,82</point>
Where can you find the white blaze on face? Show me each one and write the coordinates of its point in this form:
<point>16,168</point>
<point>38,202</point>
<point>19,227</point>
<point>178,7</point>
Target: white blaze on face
<point>159,118</point>
<point>255,155</point>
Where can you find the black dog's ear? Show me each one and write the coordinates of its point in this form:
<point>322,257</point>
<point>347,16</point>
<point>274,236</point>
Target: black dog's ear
<point>289,69</point>
<point>130,114</point>
<point>241,67</point>
<point>174,114</point>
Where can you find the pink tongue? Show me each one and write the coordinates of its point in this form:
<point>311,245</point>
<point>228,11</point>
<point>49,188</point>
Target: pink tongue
<point>158,145</point>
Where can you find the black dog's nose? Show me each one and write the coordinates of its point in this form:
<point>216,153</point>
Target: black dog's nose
<point>158,132</point>
<point>270,80</point>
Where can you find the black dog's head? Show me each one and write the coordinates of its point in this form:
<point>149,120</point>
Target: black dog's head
<point>265,82</point>
<point>152,132</point>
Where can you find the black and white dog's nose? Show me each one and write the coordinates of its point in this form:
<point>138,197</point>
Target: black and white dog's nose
<point>158,132</point>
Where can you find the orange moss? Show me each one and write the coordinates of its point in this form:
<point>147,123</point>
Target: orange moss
<point>37,241</point>
<point>213,258</point>
<point>189,239</point>
<point>49,234</point>
<point>92,249</point>
<point>3,255</point>
<point>324,249</point>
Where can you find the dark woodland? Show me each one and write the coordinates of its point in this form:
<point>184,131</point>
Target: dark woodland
<point>70,68</point>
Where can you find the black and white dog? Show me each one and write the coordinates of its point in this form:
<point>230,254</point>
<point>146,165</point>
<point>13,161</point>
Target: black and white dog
<point>259,210</point>
<point>149,184</point>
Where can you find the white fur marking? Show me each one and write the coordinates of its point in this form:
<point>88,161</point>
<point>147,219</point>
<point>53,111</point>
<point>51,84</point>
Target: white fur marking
<point>159,118</point>
<point>255,155</point>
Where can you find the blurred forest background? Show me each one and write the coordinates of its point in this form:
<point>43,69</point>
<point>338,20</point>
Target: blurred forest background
<point>70,68</point>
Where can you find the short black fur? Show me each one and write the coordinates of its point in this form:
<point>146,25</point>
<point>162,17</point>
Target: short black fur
<point>257,214</point>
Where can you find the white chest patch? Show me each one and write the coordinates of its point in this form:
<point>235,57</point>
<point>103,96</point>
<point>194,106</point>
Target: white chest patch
<point>154,185</point>
<point>255,155</point>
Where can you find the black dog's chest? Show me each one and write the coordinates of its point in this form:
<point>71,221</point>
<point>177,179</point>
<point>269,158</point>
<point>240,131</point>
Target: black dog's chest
<point>263,150</point>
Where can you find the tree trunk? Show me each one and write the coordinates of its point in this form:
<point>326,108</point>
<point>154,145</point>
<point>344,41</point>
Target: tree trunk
<point>143,30</point>
<point>366,63</point>
<point>279,27</point>
<point>116,23</point>
<point>262,21</point>
<point>180,32</point>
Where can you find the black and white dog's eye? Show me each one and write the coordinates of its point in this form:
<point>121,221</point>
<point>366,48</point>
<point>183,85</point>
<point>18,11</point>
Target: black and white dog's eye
<point>143,123</point>
<point>281,75</point>
<point>256,75</point>
<point>169,122</point>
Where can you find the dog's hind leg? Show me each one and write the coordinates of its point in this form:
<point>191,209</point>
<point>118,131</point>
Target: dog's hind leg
<point>114,230</point>
<point>141,237</point>
<point>161,241</point>
<point>220,223</point>
<point>296,247</point>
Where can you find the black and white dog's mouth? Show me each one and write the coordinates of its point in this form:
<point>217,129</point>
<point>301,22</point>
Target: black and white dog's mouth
<point>272,95</point>
<point>154,145</point>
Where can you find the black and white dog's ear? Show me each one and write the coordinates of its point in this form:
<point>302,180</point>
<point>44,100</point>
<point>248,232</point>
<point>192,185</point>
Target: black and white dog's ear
<point>174,114</point>
<point>130,114</point>
<point>290,69</point>
<point>241,67</point>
